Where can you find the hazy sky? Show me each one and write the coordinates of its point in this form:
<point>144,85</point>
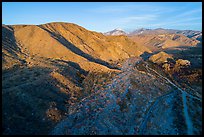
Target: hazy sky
<point>105,16</point>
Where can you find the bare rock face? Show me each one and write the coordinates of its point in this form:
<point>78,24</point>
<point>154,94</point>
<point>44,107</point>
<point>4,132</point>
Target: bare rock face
<point>160,57</point>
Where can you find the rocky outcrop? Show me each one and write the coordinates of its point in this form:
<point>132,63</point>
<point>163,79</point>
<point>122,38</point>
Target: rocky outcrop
<point>181,62</point>
<point>166,67</point>
<point>160,57</point>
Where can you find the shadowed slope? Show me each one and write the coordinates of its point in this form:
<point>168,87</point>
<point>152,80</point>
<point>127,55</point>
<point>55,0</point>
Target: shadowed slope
<point>36,98</point>
<point>11,53</point>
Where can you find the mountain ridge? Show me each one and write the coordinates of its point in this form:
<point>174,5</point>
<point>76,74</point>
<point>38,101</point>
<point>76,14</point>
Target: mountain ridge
<point>60,78</point>
<point>70,38</point>
<point>188,33</point>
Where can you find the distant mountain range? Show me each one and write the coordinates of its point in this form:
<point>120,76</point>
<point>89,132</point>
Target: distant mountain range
<point>162,41</point>
<point>116,32</point>
<point>188,33</point>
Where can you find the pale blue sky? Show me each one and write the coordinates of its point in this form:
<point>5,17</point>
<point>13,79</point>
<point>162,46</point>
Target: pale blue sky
<point>106,16</point>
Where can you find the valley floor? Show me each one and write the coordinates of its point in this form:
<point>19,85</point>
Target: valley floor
<point>120,108</point>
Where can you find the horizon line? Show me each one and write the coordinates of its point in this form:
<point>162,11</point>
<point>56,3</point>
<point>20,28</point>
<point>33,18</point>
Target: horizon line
<point>100,31</point>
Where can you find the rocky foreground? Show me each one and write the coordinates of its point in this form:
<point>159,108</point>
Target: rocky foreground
<point>138,100</point>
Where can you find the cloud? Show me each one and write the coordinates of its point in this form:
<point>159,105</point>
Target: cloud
<point>131,7</point>
<point>110,9</point>
<point>184,22</point>
<point>136,19</point>
<point>149,15</point>
<point>185,18</point>
<point>189,13</point>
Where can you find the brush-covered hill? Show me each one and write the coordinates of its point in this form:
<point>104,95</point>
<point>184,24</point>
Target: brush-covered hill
<point>60,78</point>
<point>71,42</point>
<point>44,67</point>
